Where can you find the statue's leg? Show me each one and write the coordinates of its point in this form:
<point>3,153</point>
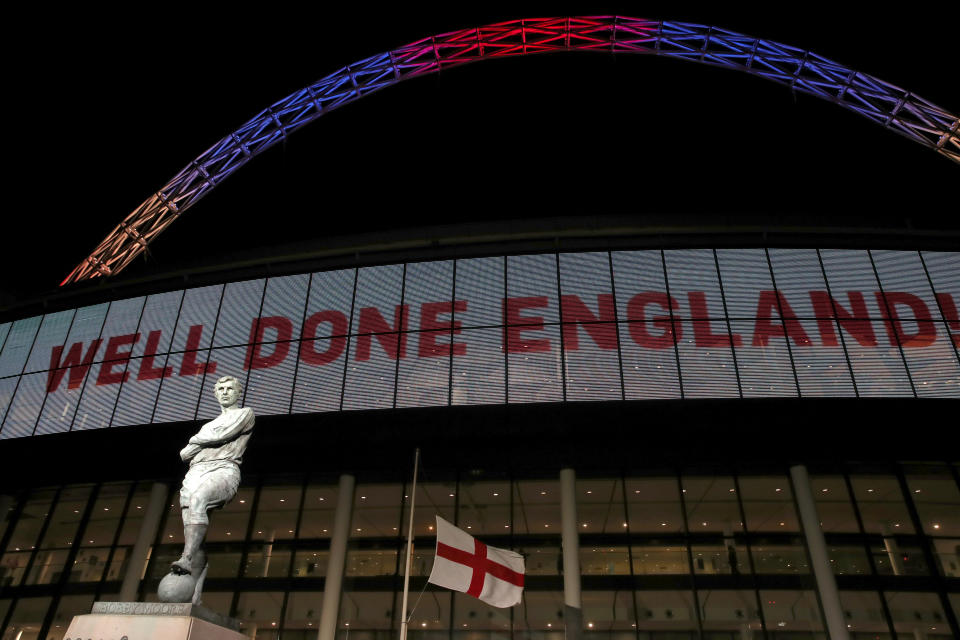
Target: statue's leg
<point>195,523</point>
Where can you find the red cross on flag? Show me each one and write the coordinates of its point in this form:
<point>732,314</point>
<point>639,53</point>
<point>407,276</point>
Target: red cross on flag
<point>463,563</point>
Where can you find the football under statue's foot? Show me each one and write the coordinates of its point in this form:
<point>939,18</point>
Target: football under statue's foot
<point>181,566</point>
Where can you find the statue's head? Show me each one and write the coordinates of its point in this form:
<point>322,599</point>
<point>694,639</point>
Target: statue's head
<point>228,390</point>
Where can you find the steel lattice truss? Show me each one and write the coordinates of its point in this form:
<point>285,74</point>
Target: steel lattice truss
<point>803,71</point>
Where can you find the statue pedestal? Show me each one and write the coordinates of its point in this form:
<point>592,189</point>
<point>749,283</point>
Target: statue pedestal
<point>149,620</point>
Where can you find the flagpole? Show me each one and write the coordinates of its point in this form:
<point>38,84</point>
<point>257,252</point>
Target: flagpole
<point>406,571</point>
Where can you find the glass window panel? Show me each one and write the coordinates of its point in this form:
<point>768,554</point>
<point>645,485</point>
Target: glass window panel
<point>478,374</point>
<point>268,388</point>
<point>534,276</point>
<point>376,511</point>
<point>106,515</point>
<point>68,607</point>
<point>729,611</point>
<point>708,372</point>
<point>881,504</point>
<point>744,273</point>
<point>277,509</point>
<point>540,559</point>
<point>8,387</point>
<point>592,363</point>
<point>864,614</point>
<point>919,614</point>
<point>660,557</point>
<point>636,272</point>
<point>902,271</point>
<point>692,278</point>
<point>303,611</point>
<point>427,282</point>
<point>7,507</point>
<point>768,504</point>
<point>480,284</point>
<point>366,611</point>
<point>310,563</point>
<point>370,382</point>
<point>424,375</point>
<point>848,559</point>
<point>780,556</point>
<point>379,290</point>
<point>13,565</point>
<point>585,275</point>
<point>89,564</point>
<point>372,562</point>
<point>654,505</point>
<point>238,311</point>
<point>330,291</point>
<point>600,504</point>
<point>649,371</point>
<point>934,493</point>
<point>793,612</point>
<point>934,368</point>
<point>260,609</point>
<point>879,370</point>
<point>66,517</point>
<point>765,370</point>
<point>666,611</point>
<point>123,318</point>
<point>286,297</point>
<point>536,509</point>
<point>851,270</point>
<point>18,344</point>
<point>26,404</point>
<point>199,308</point>
<point>723,556</point>
<point>179,393</point>
<point>440,497</point>
<point>833,504</point>
<point>320,376</point>
<point>268,559</point>
<point>608,611</point>
<point>53,333</point>
<point>539,616</point>
<point>159,315</point>
<point>35,512</point>
<point>26,619</point>
<point>947,552</point>
<point>138,396</point>
<point>534,367</point>
<point>229,523</point>
<point>48,566</point>
<point>484,506</point>
<point>319,506</point>
<point>712,500</point>
<point>96,403</point>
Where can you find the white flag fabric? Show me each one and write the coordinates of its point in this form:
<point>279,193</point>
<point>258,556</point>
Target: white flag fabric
<point>463,563</point>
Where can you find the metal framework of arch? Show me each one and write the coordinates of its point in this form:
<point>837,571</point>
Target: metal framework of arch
<point>804,71</point>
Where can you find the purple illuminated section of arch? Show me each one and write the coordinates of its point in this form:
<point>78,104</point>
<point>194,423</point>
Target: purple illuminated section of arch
<point>890,106</point>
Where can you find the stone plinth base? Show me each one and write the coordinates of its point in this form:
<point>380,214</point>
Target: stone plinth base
<point>152,620</point>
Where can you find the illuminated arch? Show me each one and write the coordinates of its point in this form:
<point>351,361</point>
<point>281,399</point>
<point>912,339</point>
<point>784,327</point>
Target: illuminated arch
<point>803,71</point>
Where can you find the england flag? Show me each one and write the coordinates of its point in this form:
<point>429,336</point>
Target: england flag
<point>463,563</point>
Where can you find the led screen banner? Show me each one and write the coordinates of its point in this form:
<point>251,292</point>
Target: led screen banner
<point>621,325</point>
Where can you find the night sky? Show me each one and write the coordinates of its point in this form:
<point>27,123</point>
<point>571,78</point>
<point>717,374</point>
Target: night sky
<point>101,116</point>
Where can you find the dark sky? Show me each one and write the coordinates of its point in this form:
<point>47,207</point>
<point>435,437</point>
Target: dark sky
<point>104,108</point>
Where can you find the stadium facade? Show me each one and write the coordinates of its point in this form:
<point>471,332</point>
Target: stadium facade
<point>747,432</point>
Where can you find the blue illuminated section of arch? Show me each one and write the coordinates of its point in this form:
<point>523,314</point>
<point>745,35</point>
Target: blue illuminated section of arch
<point>804,71</point>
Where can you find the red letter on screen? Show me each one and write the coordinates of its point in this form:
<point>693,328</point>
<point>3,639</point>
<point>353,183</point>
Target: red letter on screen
<point>78,369</point>
<point>335,345</point>
<point>190,366</point>
<point>517,324</point>
<point>926,333</point>
<point>576,314</point>
<point>147,370</point>
<point>950,315</point>
<point>702,332</point>
<point>856,323</point>
<point>767,308</point>
<point>636,314</point>
<point>372,325</point>
<point>284,328</point>
<point>114,357</point>
<point>434,328</point>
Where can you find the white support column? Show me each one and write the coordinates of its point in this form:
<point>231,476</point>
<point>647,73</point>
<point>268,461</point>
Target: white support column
<point>145,538</point>
<point>826,583</point>
<point>330,610</point>
<point>570,542</point>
